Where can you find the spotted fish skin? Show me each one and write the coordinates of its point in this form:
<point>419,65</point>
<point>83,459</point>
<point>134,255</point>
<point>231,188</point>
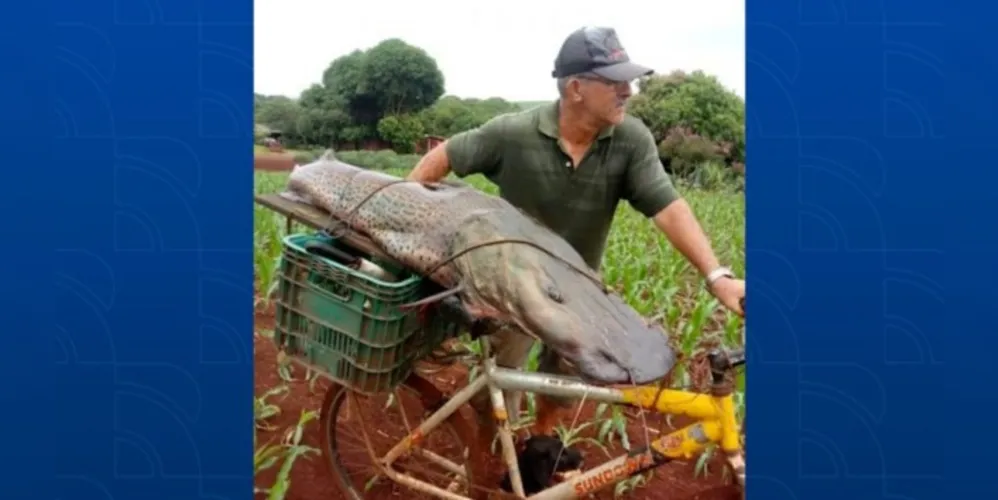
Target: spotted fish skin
<point>431,227</point>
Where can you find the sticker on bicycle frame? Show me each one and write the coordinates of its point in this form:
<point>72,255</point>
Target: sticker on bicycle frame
<point>630,466</point>
<point>668,444</point>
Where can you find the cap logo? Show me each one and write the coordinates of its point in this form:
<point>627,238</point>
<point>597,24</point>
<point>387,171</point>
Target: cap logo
<point>617,54</point>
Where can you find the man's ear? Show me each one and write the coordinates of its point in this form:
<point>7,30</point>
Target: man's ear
<point>574,89</point>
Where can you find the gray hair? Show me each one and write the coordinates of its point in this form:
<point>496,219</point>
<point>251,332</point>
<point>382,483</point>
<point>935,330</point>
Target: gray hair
<point>563,81</point>
<point>563,85</point>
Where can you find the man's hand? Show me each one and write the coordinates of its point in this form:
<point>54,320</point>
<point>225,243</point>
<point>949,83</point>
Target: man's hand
<point>730,292</point>
<point>432,167</point>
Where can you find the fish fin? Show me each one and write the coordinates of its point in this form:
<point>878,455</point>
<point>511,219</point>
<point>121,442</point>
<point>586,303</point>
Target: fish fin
<point>437,297</point>
<point>451,308</point>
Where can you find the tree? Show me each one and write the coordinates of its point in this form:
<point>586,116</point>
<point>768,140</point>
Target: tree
<point>346,78</point>
<point>392,78</point>
<point>325,119</point>
<point>697,104</point>
<point>281,113</point>
<point>685,151</point>
<point>402,78</point>
<point>451,114</point>
<point>261,101</point>
<point>401,131</point>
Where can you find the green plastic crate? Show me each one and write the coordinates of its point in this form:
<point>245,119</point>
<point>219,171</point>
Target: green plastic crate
<point>348,324</point>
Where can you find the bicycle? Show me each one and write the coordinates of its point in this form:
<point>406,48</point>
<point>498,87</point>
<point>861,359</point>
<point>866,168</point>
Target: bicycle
<point>714,414</point>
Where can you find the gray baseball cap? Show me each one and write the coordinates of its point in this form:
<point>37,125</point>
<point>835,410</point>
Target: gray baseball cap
<point>597,50</point>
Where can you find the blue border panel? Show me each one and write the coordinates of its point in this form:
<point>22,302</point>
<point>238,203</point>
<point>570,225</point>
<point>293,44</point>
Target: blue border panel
<point>871,244</point>
<point>127,370</point>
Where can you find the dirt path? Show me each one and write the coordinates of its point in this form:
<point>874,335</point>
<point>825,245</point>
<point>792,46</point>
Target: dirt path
<point>274,162</point>
<point>312,481</point>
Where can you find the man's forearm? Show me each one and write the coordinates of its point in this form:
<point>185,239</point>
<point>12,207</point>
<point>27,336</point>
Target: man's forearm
<point>684,232</point>
<point>432,167</point>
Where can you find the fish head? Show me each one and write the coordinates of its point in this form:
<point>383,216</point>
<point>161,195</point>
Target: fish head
<point>592,328</point>
<point>547,290</point>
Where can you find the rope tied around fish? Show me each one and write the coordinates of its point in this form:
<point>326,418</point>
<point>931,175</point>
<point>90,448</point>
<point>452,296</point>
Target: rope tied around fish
<point>341,226</point>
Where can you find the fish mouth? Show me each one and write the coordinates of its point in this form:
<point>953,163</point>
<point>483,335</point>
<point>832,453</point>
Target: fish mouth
<point>639,358</point>
<point>605,349</point>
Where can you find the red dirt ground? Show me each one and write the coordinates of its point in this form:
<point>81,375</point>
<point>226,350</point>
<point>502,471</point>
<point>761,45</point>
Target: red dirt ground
<point>312,481</point>
<point>274,162</point>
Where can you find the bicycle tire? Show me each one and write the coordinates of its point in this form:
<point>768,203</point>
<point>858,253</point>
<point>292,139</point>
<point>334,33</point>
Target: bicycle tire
<point>430,397</point>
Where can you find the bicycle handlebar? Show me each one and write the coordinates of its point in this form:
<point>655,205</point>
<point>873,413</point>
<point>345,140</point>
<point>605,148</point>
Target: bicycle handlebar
<point>722,361</point>
<point>736,358</point>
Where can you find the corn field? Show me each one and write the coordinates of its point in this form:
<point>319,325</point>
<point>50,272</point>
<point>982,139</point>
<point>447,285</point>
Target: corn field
<point>639,263</point>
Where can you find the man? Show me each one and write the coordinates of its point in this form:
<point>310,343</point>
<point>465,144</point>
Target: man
<point>569,164</point>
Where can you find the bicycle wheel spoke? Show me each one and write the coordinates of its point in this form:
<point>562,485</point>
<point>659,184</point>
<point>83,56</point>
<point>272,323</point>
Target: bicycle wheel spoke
<point>446,461</point>
<point>354,445</point>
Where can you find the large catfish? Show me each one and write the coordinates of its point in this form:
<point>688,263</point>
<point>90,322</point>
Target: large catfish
<point>499,262</point>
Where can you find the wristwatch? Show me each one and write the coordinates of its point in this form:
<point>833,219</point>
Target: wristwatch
<point>716,274</point>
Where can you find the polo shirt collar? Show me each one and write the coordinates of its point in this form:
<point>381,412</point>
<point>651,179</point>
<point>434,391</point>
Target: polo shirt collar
<point>548,122</point>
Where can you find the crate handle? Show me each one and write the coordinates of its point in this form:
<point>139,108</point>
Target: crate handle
<point>323,249</point>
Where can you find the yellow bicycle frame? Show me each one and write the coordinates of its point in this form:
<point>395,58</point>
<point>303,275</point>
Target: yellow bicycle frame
<point>716,414</point>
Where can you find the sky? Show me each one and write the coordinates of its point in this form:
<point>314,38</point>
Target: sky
<point>506,50</point>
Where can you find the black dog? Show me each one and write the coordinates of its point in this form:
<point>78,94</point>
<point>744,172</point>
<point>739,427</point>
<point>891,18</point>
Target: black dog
<point>537,463</point>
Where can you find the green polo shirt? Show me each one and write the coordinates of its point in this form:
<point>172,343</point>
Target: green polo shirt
<point>521,153</point>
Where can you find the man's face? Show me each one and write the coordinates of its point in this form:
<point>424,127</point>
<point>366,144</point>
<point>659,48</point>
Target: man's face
<point>605,99</point>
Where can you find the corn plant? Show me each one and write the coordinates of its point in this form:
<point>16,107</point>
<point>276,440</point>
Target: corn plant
<point>639,264</point>
<point>289,450</point>
<point>613,426</point>
<point>270,453</point>
<point>268,232</point>
<point>630,484</point>
<point>573,435</point>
